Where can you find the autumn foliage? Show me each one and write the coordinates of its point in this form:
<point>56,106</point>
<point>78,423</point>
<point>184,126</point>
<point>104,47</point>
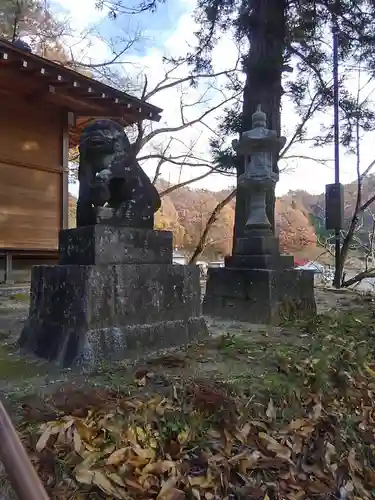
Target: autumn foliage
<point>295,231</point>
<point>186,211</point>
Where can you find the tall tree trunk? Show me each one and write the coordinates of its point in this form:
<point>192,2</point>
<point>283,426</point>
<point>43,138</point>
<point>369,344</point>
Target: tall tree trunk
<point>266,24</point>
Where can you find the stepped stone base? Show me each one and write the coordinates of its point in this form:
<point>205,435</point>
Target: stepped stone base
<point>98,307</point>
<point>259,296</point>
<point>258,285</point>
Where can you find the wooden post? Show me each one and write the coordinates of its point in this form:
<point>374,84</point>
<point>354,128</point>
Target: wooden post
<point>22,475</point>
<point>66,119</point>
<point>8,269</point>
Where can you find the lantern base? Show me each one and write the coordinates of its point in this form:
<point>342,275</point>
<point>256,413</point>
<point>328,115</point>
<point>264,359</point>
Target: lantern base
<point>276,261</point>
<point>258,285</point>
<point>259,296</point>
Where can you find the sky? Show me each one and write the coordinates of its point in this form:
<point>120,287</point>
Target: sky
<point>168,32</point>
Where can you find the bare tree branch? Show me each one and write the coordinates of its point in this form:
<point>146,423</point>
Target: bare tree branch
<point>161,161</point>
<point>187,79</point>
<point>354,221</point>
<point>368,169</point>
<point>322,161</point>
<point>365,206</point>
<point>118,7</point>
<point>314,105</point>
<point>170,159</point>
<point>185,183</point>
<point>178,128</point>
<point>359,277</point>
<point>178,159</point>
<point>116,59</point>
<point>212,219</point>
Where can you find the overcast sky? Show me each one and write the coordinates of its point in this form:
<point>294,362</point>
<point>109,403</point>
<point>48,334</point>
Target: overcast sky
<point>169,31</point>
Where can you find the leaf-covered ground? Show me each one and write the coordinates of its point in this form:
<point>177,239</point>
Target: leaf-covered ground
<point>253,413</point>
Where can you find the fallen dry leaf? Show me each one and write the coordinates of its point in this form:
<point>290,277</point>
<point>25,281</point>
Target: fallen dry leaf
<point>271,411</point>
<point>51,430</point>
<point>205,443</point>
<point>271,444</point>
<point>117,457</point>
<point>169,491</point>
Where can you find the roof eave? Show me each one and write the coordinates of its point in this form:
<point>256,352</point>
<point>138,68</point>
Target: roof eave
<point>58,76</point>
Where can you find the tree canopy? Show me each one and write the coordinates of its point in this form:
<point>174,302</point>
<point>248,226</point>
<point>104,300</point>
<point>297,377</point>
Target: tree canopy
<point>278,34</point>
<point>275,36</point>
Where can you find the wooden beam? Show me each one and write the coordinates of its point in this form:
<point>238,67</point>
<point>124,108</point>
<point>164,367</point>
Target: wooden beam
<point>71,119</point>
<point>34,96</point>
<point>16,81</point>
<point>73,102</point>
<point>87,92</point>
<point>90,92</point>
<point>19,60</point>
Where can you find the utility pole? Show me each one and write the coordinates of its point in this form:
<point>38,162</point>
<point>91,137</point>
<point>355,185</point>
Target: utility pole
<point>337,144</point>
<point>335,192</point>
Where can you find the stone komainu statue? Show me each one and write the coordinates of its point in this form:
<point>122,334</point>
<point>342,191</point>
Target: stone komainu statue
<point>110,176</point>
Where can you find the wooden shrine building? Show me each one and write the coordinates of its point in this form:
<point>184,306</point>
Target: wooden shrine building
<point>43,109</point>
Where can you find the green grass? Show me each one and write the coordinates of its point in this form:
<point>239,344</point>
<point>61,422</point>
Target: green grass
<point>325,351</point>
<point>13,367</point>
<point>20,297</point>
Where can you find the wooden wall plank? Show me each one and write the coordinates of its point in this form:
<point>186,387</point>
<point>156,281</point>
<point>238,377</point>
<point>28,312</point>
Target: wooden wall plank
<point>30,207</point>
<point>30,134</point>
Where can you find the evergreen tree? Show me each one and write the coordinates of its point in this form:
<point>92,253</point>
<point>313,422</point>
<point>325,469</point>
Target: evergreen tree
<point>279,34</point>
<point>275,36</point>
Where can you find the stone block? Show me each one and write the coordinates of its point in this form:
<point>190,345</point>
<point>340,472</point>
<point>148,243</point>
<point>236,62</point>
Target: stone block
<point>260,261</point>
<point>259,296</point>
<point>112,217</point>
<point>100,244</point>
<point>92,314</point>
<point>257,243</point>
<point>286,262</point>
<point>243,284</point>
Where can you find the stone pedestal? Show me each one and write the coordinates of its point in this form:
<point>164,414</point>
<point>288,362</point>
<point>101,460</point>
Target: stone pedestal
<point>258,285</point>
<point>259,296</point>
<point>115,295</point>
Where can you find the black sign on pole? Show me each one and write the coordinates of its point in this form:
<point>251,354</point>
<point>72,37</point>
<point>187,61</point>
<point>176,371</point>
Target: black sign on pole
<point>334,207</point>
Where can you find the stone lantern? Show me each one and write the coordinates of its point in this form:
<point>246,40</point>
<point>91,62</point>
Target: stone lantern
<point>258,146</point>
<point>257,284</point>
<point>258,247</point>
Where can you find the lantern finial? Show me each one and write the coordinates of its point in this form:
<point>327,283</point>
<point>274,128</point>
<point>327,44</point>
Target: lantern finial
<point>259,118</point>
